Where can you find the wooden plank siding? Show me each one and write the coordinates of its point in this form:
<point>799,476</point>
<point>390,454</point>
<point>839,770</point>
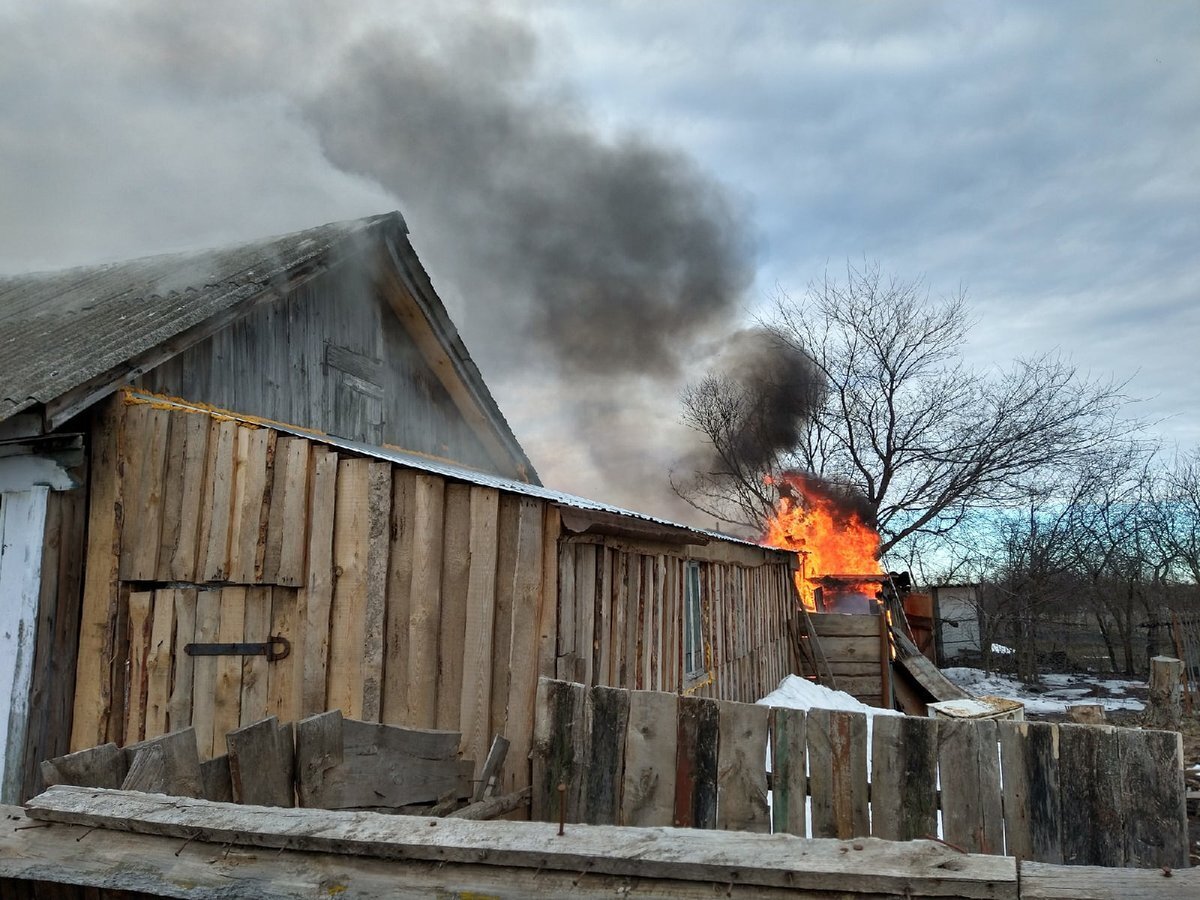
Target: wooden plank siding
<point>405,597</point>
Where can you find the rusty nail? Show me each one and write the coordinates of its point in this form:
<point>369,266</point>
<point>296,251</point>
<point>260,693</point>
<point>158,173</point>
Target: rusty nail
<point>562,809</point>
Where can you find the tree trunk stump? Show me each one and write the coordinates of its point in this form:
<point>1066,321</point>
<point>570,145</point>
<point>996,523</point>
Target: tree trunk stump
<point>1166,701</point>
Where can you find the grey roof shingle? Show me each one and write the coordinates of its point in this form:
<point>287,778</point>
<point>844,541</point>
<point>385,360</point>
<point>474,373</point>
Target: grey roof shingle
<point>60,329</point>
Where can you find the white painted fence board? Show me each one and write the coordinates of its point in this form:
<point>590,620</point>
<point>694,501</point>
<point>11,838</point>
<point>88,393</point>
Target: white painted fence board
<point>22,526</point>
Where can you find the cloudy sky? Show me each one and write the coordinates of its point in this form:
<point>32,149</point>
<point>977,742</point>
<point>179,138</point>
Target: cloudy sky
<point>602,192</point>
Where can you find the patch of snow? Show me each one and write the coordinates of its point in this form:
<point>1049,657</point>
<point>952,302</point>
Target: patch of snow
<point>795,692</point>
<point>1001,650</point>
<point>1062,690</point>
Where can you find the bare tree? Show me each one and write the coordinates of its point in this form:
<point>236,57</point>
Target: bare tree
<point>900,417</point>
<point>1180,507</point>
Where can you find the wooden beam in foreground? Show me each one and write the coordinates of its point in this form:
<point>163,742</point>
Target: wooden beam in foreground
<point>864,866</point>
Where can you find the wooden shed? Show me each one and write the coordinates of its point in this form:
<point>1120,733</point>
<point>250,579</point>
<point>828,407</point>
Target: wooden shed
<point>393,534</point>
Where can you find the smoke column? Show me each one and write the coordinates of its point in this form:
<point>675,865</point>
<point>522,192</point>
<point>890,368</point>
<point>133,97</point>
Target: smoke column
<point>587,271</point>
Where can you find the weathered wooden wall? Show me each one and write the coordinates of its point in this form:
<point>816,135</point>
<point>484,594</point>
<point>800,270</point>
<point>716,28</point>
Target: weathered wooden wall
<point>408,598</point>
<point>852,646</point>
<point>1075,794</point>
<point>621,617</point>
<point>332,356</point>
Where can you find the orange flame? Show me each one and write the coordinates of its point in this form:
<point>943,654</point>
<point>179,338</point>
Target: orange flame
<point>829,539</point>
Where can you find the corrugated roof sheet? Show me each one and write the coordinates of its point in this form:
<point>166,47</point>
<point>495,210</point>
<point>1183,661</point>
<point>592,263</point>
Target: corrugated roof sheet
<point>60,329</point>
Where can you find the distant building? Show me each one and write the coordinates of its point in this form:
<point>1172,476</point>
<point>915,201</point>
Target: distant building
<point>956,612</point>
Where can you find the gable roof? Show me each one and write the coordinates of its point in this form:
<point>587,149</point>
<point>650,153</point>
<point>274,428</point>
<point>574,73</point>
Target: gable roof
<point>71,337</point>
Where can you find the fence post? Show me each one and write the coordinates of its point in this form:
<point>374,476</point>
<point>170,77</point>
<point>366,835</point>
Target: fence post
<point>1165,707</point>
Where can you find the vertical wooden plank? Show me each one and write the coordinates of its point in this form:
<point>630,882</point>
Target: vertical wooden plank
<point>648,791</point>
<point>256,628</point>
<point>399,592</point>
<point>566,660</point>
<point>671,639</point>
<point>204,671</point>
<point>316,599</point>
<point>789,778</point>
<point>558,753</point>
<point>348,616</point>
<point>146,461</point>
<point>742,775</point>
<point>285,550</point>
<point>968,763</point>
<point>620,610</point>
<point>649,604</point>
<point>425,613</point>
<point>607,713</point>
<point>1032,807</point>
<point>183,490</point>
<point>452,629</point>
<point>159,664</point>
<point>506,567</point>
<point>379,513</point>
<point>94,673</point>
<point>217,503</point>
<point>179,708</point>
<point>548,590</point>
<point>696,753</point>
<point>475,705</point>
<point>283,694</point>
<point>585,610</point>
<point>523,659</point>
<point>1154,798</point>
<point>1090,785</point>
<point>633,624</point>
<point>227,692</point>
<point>253,455</point>
<point>837,765</point>
<point>604,619</point>
<point>660,622</point>
<point>904,799</point>
<point>140,604</point>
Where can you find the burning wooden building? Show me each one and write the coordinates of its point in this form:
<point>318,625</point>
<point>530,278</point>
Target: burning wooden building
<point>866,632</point>
<point>388,551</point>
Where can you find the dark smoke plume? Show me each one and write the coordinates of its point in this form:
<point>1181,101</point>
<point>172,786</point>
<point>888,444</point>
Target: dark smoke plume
<point>781,389</point>
<point>611,254</point>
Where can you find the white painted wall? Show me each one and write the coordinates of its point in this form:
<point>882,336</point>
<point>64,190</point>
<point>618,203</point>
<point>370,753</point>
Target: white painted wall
<point>22,528</point>
<point>957,606</point>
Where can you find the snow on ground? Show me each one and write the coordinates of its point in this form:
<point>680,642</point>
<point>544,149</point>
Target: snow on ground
<point>1056,692</point>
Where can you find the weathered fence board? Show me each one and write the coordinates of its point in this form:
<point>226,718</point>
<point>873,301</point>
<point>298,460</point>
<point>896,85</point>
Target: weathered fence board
<point>558,757</point>
<point>1032,805</point>
<point>1090,781</point>
<point>837,765</point>
<point>607,714</point>
<point>904,798</point>
<point>648,793</point>
<point>969,763</point>
<point>741,778</point>
<point>789,774</point>
<point>698,745</point>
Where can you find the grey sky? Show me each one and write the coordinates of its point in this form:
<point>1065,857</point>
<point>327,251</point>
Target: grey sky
<point>1043,156</point>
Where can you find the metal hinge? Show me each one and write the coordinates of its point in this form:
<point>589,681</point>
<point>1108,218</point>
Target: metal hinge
<point>273,648</point>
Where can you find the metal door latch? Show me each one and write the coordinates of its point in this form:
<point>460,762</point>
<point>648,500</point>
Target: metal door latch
<point>273,648</point>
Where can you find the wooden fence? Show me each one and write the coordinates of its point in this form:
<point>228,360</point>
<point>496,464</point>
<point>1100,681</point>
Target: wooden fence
<point>1074,794</point>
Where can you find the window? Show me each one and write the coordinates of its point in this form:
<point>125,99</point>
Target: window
<point>693,642</point>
